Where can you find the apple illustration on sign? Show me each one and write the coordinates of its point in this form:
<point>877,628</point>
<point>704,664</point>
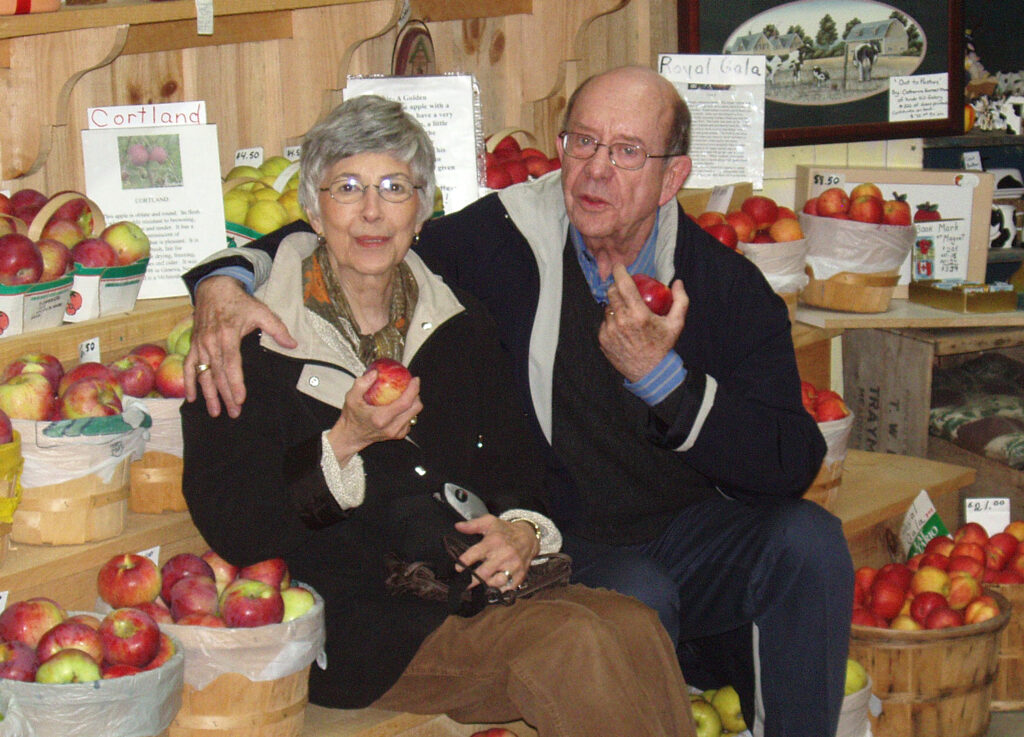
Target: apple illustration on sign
<point>69,666</point>
<point>392,379</point>
<point>129,636</point>
<point>655,295</point>
<point>128,580</point>
<point>248,603</point>
<point>20,260</point>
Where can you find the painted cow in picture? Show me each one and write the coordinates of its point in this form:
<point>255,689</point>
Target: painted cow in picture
<point>779,68</point>
<point>864,59</point>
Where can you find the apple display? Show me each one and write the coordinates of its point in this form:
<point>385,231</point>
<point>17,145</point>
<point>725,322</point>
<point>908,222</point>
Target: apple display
<point>999,549</point>
<point>970,532</point>
<point>128,241</point>
<point>896,211</point>
<point>152,353</point>
<point>744,225</point>
<point>178,567</point>
<point>169,379</point>
<point>94,253</point>
<point>930,578</point>
<point>248,603</point>
<point>89,397</point>
<point>159,611</point>
<point>134,375</point>
<point>866,209</point>
<point>86,370</point>
<point>26,204</point>
<point>69,666</point>
<point>18,661</point>
<point>193,595</point>
<point>57,260</point>
<point>942,617</point>
<point>924,603</point>
<point>655,295</point>
<point>856,677</point>
<point>65,232</point>
<point>129,636</point>
<point>20,260</point>
<point>128,580</point>
<point>785,230</point>
<point>87,619</point>
<point>940,544</point>
<point>980,610</point>
<point>164,652</point>
<point>392,379</point>
<point>29,619</point>
<point>27,397</point>
<point>963,589</point>
<point>886,599</point>
<point>76,210</point>
<point>297,601</point>
<point>709,217</point>
<point>905,622</point>
<point>179,338</point>
<point>271,571</point>
<point>223,572</point>
<point>1016,528</point>
<point>70,634</point>
<point>763,210</point>
<point>833,201</point>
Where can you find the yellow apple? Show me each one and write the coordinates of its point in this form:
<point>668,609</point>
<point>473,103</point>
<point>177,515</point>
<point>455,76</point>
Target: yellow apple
<point>244,172</point>
<point>265,193</point>
<point>705,718</point>
<point>856,677</point>
<point>289,199</point>
<point>727,703</point>
<point>236,205</point>
<point>265,216</point>
<point>274,165</point>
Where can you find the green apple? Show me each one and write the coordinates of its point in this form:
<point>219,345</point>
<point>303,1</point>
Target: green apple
<point>274,165</point>
<point>244,172</point>
<point>705,717</point>
<point>68,666</point>
<point>727,703</point>
<point>709,694</point>
<point>856,677</point>
<point>297,601</point>
<point>266,216</point>
<point>179,339</point>
<point>236,205</point>
<point>289,199</point>
<point>128,240</point>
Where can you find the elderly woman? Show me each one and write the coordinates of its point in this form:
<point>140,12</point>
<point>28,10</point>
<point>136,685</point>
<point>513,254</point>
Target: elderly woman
<point>312,473</point>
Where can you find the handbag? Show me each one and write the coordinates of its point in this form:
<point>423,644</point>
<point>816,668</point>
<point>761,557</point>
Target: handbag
<point>420,579</point>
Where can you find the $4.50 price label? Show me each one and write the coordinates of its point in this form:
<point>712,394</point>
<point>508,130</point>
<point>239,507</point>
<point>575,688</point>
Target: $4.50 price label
<point>992,513</point>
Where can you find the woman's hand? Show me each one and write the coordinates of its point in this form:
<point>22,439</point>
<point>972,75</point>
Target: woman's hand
<point>362,424</point>
<point>505,551</point>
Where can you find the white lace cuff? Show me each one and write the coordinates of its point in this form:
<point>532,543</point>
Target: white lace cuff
<point>348,484</point>
<point>550,537</point>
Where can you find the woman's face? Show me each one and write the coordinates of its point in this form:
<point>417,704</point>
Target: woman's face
<point>370,236</point>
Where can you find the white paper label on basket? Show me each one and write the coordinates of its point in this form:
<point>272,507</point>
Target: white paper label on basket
<point>721,196</point>
<point>292,153</point>
<point>3,599</point>
<point>153,554</point>
<point>920,524</point>
<point>249,156</point>
<point>89,350</point>
<point>992,513</point>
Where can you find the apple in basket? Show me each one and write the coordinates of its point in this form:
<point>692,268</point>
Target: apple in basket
<point>89,398</point>
<point>223,572</point>
<point>6,429</point>
<point>193,595</point>
<point>36,363</point>
<point>69,666</point>
<point>129,636</point>
<point>70,634</point>
<point>128,580</point>
<point>178,567</point>
<point>248,603</point>
<point>297,601</point>
<point>18,661</point>
<point>28,620</point>
<point>134,375</point>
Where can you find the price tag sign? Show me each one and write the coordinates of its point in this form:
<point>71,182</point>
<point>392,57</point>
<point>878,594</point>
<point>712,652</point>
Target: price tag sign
<point>972,160</point>
<point>292,153</point>
<point>249,156</point>
<point>721,196</point>
<point>153,554</point>
<point>992,513</point>
<point>826,180</point>
<point>3,599</point>
<point>89,350</point>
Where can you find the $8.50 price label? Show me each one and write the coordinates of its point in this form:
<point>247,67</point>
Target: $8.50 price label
<point>826,180</point>
<point>992,513</point>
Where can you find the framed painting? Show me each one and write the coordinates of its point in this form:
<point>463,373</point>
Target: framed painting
<point>843,70</point>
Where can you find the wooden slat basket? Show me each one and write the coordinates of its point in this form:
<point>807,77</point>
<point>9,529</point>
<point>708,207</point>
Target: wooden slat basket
<point>851,292</point>
<point>155,481</point>
<point>932,683</point>
<point>1008,690</point>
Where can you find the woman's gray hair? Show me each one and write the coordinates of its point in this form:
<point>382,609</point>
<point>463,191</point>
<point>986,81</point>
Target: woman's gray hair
<point>366,124</point>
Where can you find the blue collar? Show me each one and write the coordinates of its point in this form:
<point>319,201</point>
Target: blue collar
<point>642,264</point>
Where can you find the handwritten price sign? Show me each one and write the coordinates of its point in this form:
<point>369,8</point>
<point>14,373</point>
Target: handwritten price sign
<point>992,513</point>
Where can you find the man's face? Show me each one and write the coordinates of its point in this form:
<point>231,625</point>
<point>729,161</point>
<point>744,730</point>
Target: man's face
<point>613,207</point>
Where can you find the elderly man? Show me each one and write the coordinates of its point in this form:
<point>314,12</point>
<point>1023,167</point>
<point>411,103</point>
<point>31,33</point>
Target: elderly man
<point>678,447</point>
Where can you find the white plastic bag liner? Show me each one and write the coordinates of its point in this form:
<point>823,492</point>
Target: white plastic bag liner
<point>258,653</point>
<point>837,437</point>
<point>165,435</point>
<point>781,263</point>
<point>14,723</point>
<point>853,718</point>
<point>58,452</point>
<point>834,245</point>
<point>141,705</point>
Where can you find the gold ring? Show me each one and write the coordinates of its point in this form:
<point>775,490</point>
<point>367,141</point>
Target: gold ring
<point>201,367</point>
<point>508,575</point>
<point>413,420</point>
<point>611,313</point>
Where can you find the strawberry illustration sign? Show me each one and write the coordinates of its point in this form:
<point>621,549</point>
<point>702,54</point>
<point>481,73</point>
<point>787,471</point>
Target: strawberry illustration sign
<point>950,212</point>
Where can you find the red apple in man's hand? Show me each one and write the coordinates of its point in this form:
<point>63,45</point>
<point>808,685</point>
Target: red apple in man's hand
<point>20,260</point>
<point>56,257</point>
<point>130,636</point>
<point>70,634</point>
<point>178,567</point>
<point>69,666</point>
<point>193,595</point>
<point>392,379</point>
<point>94,253</point>
<point>248,603</point>
<point>28,396</point>
<point>134,375</point>
<point>28,620</point>
<point>128,580</point>
<point>272,571</point>
<point>89,397</point>
<point>18,661</point>
<point>655,295</point>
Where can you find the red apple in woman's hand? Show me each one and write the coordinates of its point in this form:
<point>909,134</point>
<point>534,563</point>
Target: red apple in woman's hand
<point>392,379</point>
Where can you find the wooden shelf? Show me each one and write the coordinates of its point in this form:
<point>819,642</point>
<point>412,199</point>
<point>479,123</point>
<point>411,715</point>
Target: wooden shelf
<point>975,140</point>
<point>905,314</point>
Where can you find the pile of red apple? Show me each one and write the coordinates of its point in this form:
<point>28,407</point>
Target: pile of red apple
<point>507,163</point>
<point>40,642</point>
<point>941,586</point>
<point>35,386</point>
<point>204,590</point>
<point>824,405</point>
<point>759,219</point>
<point>67,238</point>
<point>864,203</point>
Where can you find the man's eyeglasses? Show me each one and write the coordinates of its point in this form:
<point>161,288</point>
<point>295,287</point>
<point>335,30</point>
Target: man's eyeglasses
<point>631,156</point>
<point>349,190</point>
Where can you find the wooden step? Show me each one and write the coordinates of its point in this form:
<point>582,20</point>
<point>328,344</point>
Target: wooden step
<point>321,722</point>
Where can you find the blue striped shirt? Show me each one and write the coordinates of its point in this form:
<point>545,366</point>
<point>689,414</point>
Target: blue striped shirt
<point>670,372</point>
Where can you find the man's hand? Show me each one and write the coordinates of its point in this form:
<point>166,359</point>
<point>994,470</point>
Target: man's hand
<point>632,338</point>
<point>223,315</point>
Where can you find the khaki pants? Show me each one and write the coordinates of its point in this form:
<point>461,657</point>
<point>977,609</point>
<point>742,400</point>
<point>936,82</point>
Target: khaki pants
<point>571,662</point>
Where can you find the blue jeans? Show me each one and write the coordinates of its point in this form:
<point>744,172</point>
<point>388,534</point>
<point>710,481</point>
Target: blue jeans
<point>753,594</point>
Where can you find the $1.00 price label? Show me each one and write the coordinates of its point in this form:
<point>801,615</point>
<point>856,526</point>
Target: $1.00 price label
<point>992,513</point>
